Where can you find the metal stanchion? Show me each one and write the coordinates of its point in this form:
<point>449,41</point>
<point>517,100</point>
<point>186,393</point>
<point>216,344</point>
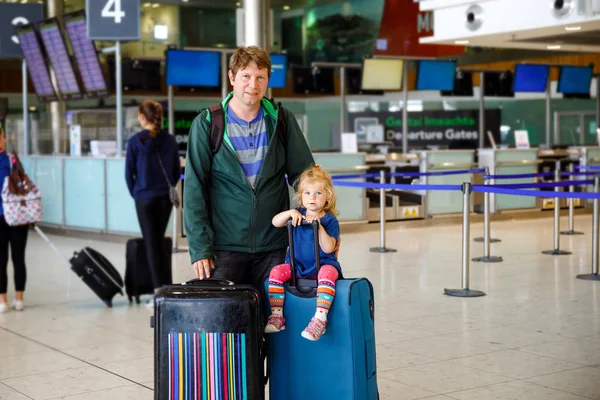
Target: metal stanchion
<point>557,251</point>
<point>466,250</point>
<point>594,275</point>
<point>381,248</point>
<point>486,220</point>
<point>486,233</point>
<point>571,230</point>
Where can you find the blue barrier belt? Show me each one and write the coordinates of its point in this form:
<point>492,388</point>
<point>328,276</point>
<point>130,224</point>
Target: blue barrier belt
<point>543,185</point>
<point>535,193</point>
<point>366,185</point>
<point>519,176</point>
<point>356,176</point>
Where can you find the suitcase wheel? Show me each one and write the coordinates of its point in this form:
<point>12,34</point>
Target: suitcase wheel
<point>137,299</point>
<point>108,303</point>
<point>130,299</point>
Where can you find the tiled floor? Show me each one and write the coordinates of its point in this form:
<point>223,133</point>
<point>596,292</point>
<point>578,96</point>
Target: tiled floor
<point>536,335</point>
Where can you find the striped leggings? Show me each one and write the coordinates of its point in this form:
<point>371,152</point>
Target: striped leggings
<point>327,277</point>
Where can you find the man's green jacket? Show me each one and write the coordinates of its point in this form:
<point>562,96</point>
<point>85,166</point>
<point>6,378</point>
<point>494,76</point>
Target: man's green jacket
<point>222,212</point>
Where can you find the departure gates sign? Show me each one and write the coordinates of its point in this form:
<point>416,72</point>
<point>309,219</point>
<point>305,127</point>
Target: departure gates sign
<point>454,129</point>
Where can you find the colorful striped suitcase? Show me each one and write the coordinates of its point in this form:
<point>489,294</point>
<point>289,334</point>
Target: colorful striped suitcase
<point>208,337</point>
<point>342,363</point>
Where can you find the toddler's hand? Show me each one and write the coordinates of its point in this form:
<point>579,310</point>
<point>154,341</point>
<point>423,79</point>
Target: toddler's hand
<point>296,217</point>
<point>311,218</point>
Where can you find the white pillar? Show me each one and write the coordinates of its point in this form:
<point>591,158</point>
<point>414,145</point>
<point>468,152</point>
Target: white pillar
<point>255,23</point>
<point>57,109</point>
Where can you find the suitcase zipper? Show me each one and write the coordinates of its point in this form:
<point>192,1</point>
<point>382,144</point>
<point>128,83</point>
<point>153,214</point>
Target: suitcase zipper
<point>102,269</point>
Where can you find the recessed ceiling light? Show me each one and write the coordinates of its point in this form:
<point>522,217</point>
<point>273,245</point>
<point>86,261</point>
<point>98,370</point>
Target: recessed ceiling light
<point>147,4</point>
<point>155,5</point>
<point>185,1</point>
<point>572,28</point>
<point>554,47</point>
<point>286,8</point>
<point>461,42</point>
<point>238,4</point>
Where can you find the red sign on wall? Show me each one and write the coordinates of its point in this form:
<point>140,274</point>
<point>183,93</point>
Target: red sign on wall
<point>402,24</point>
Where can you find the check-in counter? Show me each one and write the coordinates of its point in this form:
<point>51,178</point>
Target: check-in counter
<point>444,202</point>
<point>510,162</point>
<point>85,193</point>
<point>587,156</point>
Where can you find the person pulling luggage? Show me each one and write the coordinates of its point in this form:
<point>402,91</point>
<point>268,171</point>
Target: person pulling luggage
<point>317,200</point>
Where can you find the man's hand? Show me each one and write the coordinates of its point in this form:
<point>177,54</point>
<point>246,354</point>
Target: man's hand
<point>203,267</point>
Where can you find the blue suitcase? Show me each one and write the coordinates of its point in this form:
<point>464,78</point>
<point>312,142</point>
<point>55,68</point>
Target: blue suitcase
<point>341,364</point>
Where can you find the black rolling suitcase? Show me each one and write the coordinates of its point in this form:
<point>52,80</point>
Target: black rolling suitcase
<point>138,280</point>
<point>207,342</point>
<point>94,270</point>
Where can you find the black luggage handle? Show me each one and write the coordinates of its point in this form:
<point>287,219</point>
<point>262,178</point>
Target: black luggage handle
<point>290,227</point>
<point>209,281</point>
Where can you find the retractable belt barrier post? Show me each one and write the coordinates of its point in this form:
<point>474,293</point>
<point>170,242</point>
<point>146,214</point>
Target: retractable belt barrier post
<point>594,275</point>
<point>382,248</point>
<point>466,250</point>
<point>571,230</point>
<point>486,232</point>
<point>557,251</point>
<point>486,221</point>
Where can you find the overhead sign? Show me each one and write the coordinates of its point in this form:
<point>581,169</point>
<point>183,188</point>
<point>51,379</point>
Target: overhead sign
<point>113,20</point>
<point>12,15</point>
<point>454,129</point>
<point>402,25</point>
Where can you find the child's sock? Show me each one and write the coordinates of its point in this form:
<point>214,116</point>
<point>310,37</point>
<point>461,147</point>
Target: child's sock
<point>276,296</point>
<point>325,296</point>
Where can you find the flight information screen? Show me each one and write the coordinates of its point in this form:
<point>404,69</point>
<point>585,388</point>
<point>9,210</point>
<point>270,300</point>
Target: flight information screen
<point>59,59</point>
<point>36,64</point>
<point>85,55</point>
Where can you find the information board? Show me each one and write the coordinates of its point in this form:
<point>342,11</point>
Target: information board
<point>12,15</point>
<point>86,56</point>
<point>36,64</point>
<point>60,61</point>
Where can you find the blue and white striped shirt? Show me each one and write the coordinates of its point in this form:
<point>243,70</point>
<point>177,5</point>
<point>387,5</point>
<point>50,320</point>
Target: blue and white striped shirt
<point>250,141</point>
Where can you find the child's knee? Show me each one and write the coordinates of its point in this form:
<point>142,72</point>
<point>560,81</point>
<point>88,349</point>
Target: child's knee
<point>329,273</point>
<point>282,272</point>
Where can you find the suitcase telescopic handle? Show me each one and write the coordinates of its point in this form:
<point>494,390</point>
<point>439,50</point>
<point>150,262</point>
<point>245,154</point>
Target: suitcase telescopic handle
<point>290,227</point>
<point>209,281</point>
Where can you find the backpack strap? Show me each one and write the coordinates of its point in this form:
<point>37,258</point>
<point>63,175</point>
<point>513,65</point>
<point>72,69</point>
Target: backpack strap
<point>281,127</point>
<point>217,126</point>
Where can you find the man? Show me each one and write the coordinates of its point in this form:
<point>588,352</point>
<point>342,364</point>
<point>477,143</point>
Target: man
<point>232,195</point>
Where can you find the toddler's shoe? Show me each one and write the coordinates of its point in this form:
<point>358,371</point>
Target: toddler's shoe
<point>275,323</point>
<point>315,329</point>
<point>3,308</point>
<point>18,305</point>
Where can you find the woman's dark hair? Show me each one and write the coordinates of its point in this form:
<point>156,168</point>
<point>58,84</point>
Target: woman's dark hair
<point>153,112</point>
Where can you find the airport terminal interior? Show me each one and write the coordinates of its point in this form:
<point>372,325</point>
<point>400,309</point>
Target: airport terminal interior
<point>464,151</point>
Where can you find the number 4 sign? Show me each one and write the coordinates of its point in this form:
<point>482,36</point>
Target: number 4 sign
<point>113,20</point>
<point>112,9</point>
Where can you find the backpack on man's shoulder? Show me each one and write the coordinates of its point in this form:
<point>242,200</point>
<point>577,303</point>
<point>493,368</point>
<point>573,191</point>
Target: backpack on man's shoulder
<point>217,126</point>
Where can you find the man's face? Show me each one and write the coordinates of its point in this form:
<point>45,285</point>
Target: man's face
<point>249,84</point>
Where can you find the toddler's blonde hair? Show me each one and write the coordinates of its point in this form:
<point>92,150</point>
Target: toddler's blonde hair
<point>316,174</point>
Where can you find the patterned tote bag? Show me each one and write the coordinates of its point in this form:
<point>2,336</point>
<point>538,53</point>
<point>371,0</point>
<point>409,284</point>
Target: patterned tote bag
<point>21,199</point>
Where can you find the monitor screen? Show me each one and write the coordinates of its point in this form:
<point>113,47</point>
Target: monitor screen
<point>36,64</point>
<point>382,74</point>
<point>278,71</point>
<point>60,60</point>
<point>323,80</point>
<point>193,68</point>
<point>302,79</point>
<point>531,78</point>
<point>498,84</point>
<point>354,83</point>
<point>575,80</point>
<point>435,75</point>
<point>463,84</point>
<point>86,56</point>
<point>141,75</point>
